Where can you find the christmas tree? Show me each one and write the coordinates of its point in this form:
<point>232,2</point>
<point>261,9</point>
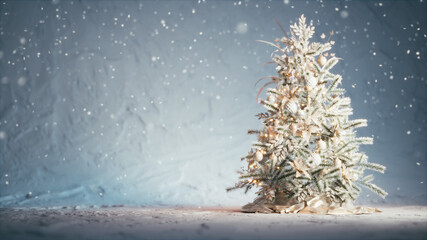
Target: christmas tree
<point>307,156</point>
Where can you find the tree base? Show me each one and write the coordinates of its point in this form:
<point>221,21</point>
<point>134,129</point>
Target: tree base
<point>316,205</point>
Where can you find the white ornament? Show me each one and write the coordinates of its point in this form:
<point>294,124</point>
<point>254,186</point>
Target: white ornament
<point>335,141</point>
<point>300,113</point>
<point>271,99</point>
<point>321,144</point>
<point>311,82</point>
<point>315,159</point>
<point>321,60</point>
<point>278,68</point>
<point>273,158</point>
<point>337,163</point>
<point>259,156</point>
<point>279,138</point>
<point>293,127</point>
<point>355,176</point>
<point>292,107</point>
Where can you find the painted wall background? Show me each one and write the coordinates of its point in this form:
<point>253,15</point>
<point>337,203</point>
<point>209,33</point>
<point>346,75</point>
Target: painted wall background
<point>148,102</point>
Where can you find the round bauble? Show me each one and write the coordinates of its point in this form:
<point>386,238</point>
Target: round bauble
<point>355,176</point>
<point>311,82</point>
<point>321,60</point>
<point>300,113</point>
<point>273,158</point>
<point>315,159</point>
<point>293,128</point>
<point>321,144</point>
<point>292,106</point>
<point>337,163</point>
<point>271,99</point>
<point>279,138</point>
<point>335,141</point>
<point>259,156</point>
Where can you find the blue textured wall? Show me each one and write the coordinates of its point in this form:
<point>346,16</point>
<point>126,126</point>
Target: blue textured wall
<point>127,102</point>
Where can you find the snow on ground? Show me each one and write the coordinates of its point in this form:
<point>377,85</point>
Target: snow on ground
<point>149,102</point>
<point>206,223</point>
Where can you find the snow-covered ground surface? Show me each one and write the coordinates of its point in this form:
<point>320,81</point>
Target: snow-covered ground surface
<point>149,102</point>
<point>408,222</point>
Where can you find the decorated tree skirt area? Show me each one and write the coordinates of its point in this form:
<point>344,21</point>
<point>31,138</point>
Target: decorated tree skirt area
<point>409,222</point>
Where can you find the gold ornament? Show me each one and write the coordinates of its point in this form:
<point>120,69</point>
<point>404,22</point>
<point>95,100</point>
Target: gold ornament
<point>321,60</point>
<point>293,127</point>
